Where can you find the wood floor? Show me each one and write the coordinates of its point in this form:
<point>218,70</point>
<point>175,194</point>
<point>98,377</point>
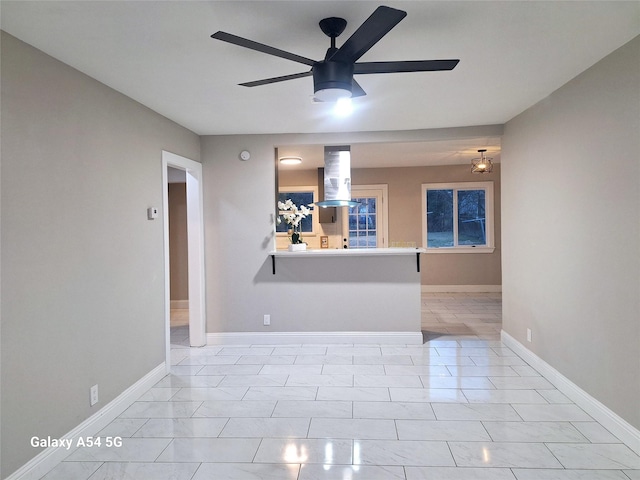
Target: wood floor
<point>478,314</point>
<point>179,317</point>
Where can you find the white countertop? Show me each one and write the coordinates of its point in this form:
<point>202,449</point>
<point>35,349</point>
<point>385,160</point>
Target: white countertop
<point>334,252</point>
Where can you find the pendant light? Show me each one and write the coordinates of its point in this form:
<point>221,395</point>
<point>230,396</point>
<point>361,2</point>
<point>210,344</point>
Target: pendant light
<point>482,164</point>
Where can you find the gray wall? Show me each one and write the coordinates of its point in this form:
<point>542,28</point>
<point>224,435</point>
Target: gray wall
<point>82,267</point>
<point>571,230</point>
<point>239,199</point>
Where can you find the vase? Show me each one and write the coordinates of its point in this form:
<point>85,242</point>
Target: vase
<point>297,247</point>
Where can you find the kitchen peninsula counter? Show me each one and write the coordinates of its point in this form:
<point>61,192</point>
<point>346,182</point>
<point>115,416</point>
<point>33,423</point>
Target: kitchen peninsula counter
<point>346,252</point>
<point>365,252</point>
<point>350,295</point>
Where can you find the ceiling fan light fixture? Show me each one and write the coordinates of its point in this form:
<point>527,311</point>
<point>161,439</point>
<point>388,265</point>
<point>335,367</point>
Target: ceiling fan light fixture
<point>343,107</point>
<point>332,94</point>
<point>482,164</point>
<point>332,81</point>
<point>290,160</point>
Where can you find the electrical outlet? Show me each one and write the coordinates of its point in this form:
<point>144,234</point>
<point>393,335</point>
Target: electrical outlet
<point>528,335</point>
<point>94,395</point>
<point>267,319</point>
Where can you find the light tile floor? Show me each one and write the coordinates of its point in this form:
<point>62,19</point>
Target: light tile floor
<point>462,406</point>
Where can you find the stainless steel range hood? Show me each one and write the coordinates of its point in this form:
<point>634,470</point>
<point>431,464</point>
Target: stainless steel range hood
<point>337,177</point>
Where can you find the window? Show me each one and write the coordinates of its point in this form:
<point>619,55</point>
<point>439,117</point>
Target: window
<point>363,224</point>
<point>458,217</point>
<point>299,196</point>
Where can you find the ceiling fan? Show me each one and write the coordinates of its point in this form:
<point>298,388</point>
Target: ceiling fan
<point>333,76</point>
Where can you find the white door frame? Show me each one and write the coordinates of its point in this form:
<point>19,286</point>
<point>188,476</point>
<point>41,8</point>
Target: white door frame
<point>195,242</point>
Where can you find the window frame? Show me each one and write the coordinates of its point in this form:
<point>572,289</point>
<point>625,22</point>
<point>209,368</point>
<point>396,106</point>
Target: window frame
<point>315,221</point>
<point>488,188</point>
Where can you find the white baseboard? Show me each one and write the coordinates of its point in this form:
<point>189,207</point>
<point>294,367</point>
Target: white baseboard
<point>284,338</point>
<point>181,304</point>
<point>460,288</point>
<point>42,463</point>
<point>629,435</point>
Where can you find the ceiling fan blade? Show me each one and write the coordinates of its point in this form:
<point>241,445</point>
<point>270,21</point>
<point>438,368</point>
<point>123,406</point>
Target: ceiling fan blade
<point>260,47</point>
<point>356,90</point>
<point>267,81</point>
<point>381,21</point>
<point>406,66</point>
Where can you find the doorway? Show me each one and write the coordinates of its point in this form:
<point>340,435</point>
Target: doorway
<point>365,225</point>
<point>195,248</point>
<point>178,257</point>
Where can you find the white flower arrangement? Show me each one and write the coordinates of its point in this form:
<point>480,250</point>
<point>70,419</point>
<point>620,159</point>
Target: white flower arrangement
<point>293,215</point>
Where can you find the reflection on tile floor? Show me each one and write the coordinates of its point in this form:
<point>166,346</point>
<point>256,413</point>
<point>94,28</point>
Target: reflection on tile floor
<point>462,406</point>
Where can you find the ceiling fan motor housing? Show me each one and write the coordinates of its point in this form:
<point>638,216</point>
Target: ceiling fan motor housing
<point>329,75</point>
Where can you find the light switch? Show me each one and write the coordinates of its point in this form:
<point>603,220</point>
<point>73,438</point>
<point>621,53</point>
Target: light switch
<point>152,213</point>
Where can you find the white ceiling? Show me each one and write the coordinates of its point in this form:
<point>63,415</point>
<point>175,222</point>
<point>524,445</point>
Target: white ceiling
<point>512,54</point>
